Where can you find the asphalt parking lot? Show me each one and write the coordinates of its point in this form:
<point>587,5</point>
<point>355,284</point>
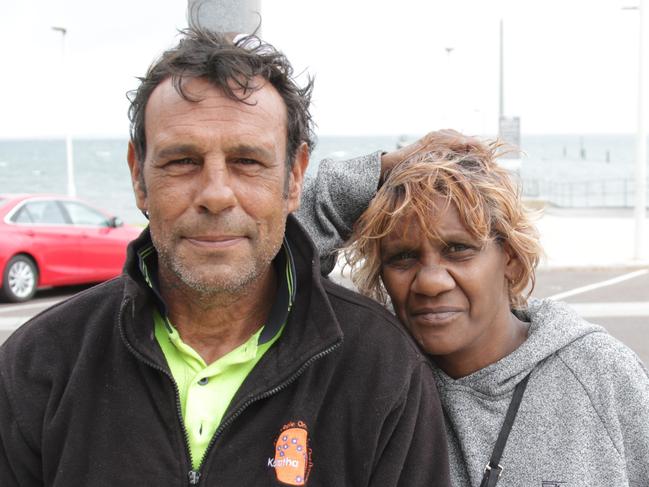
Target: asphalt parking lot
<point>616,298</point>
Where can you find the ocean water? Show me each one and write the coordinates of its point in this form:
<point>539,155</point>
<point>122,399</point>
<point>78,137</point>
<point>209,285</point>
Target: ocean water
<point>569,170</point>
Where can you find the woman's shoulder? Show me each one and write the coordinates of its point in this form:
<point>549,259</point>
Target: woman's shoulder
<point>586,348</point>
<point>598,352</point>
<point>610,372</point>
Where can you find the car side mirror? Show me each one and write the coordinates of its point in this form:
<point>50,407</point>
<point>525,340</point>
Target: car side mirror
<point>115,221</point>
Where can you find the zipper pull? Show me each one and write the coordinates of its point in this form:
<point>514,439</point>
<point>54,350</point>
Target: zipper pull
<point>194,477</point>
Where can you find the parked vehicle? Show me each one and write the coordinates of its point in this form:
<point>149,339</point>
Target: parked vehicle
<point>52,240</point>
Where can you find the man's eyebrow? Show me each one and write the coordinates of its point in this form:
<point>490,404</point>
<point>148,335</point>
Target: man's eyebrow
<point>246,150</point>
<point>242,150</point>
<point>176,150</point>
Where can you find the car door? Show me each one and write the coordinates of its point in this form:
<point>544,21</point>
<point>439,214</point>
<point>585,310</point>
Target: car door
<point>104,249</point>
<point>52,241</point>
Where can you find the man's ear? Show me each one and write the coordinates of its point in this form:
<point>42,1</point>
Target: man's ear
<point>137,178</point>
<point>296,176</point>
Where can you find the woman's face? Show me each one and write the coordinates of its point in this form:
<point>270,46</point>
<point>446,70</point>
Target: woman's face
<point>452,294</point>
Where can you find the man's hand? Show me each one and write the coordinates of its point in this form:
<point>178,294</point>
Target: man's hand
<point>437,141</point>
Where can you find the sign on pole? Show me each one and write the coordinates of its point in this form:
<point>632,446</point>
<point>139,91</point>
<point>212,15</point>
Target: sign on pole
<point>509,131</point>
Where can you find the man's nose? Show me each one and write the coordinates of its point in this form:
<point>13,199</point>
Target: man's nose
<point>214,192</point>
<point>432,280</point>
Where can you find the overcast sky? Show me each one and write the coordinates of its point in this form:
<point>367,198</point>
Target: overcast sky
<point>381,67</point>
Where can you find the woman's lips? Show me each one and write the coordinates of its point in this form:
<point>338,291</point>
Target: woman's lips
<point>435,316</point>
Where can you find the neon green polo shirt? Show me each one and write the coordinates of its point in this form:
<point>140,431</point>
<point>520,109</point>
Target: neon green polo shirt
<point>206,390</point>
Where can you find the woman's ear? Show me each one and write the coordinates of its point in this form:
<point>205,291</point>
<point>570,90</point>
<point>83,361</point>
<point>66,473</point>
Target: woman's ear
<point>513,266</point>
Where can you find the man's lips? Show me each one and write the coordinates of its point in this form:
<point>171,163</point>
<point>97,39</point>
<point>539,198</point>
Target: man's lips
<point>215,241</point>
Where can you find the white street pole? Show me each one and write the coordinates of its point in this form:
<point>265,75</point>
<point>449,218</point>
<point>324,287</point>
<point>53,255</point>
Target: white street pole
<point>641,144</point>
<point>240,16</point>
<point>65,114</point>
<point>501,93</point>
<point>448,99</point>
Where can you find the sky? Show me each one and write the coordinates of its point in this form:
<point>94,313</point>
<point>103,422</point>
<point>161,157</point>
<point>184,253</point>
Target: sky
<point>381,67</point>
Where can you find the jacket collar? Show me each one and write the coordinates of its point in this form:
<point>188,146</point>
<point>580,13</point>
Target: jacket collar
<point>311,326</point>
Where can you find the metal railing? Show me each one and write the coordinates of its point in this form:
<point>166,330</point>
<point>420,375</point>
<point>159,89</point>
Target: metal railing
<point>614,193</point>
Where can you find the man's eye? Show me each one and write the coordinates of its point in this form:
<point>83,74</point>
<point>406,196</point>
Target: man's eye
<point>183,162</point>
<point>244,161</point>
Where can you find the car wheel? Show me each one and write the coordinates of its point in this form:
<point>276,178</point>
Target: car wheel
<point>19,279</point>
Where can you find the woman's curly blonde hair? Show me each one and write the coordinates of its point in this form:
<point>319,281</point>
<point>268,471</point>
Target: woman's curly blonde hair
<point>462,171</point>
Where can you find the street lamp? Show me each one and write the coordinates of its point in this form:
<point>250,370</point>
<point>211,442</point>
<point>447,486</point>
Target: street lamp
<point>72,191</point>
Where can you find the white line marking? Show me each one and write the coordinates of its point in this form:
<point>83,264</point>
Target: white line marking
<point>10,324</point>
<point>35,305</point>
<point>597,285</point>
<point>585,310</point>
<point>613,310</point>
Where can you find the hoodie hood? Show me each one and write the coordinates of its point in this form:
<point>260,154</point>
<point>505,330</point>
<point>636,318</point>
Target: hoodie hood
<point>553,326</point>
<point>584,402</point>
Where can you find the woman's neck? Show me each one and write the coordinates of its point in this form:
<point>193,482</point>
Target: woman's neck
<point>465,362</point>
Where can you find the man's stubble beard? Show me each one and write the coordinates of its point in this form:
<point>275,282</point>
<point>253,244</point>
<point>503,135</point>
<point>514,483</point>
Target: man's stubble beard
<point>210,286</point>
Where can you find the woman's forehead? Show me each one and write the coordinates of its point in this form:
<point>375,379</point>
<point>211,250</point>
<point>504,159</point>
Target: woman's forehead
<point>443,224</point>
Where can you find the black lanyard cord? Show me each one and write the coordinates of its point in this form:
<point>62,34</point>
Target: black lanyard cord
<point>493,469</point>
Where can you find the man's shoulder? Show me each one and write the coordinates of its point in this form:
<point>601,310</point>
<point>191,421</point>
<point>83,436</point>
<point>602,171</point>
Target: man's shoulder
<point>363,319</point>
<point>65,323</point>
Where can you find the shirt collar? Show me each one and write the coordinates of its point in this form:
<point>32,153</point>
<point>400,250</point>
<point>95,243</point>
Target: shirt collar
<point>286,289</point>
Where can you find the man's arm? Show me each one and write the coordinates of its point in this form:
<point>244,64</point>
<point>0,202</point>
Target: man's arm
<point>412,451</point>
<point>19,463</point>
<point>341,191</point>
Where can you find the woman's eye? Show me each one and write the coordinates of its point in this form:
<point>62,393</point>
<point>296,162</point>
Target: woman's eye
<point>460,250</point>
<point>400,258</point>
<point>457,248</point>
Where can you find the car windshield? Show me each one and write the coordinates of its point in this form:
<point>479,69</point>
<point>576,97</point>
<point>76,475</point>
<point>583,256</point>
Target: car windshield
<point>42,212</point>
<point>81,214</point>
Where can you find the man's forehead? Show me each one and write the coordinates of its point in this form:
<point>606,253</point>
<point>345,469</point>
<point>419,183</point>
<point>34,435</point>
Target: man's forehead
<point>199,91</point>
<point>263,111</point>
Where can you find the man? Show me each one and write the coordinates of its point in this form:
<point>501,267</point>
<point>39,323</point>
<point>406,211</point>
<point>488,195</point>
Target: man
<point>220,356</point>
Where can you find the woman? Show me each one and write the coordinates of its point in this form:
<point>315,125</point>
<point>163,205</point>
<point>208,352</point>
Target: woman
<point>447,241</point>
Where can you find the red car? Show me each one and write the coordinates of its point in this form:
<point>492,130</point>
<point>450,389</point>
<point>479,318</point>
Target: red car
<point>50,240</point>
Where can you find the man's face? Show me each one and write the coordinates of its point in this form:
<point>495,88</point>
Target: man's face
<point>216,190</point>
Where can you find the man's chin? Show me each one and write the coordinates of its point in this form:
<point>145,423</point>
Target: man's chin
<point>217,282</point>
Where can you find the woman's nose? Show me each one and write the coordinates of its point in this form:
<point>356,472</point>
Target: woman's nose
<point>432,280</point>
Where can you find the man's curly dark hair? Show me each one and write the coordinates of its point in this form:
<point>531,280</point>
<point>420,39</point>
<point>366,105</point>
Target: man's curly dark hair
<point>230,65</point>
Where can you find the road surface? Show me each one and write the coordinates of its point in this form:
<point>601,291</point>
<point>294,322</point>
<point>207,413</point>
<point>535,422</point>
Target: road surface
<point>617,299</point>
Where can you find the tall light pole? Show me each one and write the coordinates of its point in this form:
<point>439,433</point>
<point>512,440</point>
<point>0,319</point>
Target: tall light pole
<point>448,105</point>
<point>501,84</point>
<point>240,16</point>
<point>72,190</point>
<point>641,151</point>
<point>639,251</point>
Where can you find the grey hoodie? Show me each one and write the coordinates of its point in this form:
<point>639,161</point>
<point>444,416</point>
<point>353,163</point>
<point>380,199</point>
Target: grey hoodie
<point>584,418</point>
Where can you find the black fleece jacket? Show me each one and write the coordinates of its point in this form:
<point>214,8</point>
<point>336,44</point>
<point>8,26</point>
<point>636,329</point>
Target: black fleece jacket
<point>343,398</point>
